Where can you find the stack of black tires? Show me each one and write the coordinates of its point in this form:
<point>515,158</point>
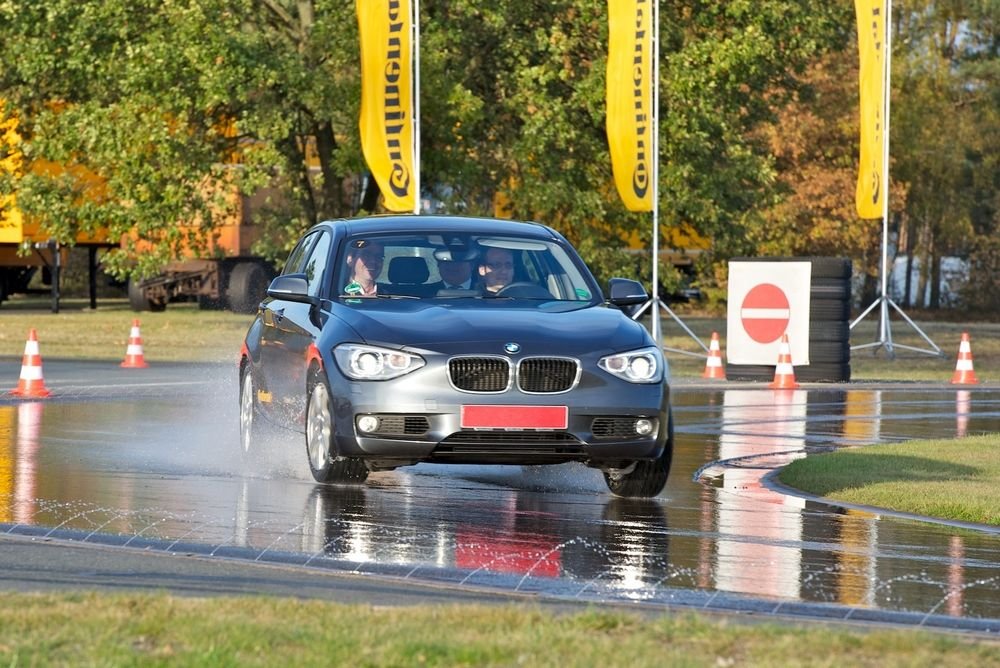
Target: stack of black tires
<point>829,325</point>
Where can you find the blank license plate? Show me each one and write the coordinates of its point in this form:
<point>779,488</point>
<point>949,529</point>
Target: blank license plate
<point>515,417</point>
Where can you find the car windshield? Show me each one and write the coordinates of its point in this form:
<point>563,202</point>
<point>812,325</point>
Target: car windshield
<point>457,266</point>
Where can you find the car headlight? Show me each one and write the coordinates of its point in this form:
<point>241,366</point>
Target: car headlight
<point>638,366</point>
<point>373,363</point>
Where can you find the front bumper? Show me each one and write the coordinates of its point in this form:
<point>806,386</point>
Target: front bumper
<point>420,421</point>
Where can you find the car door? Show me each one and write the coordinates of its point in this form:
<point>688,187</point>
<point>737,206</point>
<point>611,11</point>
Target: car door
<point>289,329</point>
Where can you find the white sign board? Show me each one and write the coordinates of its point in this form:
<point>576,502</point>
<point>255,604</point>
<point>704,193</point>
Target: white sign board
<point>766,300</point>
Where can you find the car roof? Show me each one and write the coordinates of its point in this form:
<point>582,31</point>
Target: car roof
<point>437,223</point>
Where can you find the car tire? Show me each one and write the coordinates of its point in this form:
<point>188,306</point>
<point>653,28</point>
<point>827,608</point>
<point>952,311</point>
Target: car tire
<point>828,331</point>
<point>829,267</point>
<point>646,478</point>
<point>820,267</point>
<point>830,288</point>
<point>254,430</point>
<point>324,463</point>
<point>828,309</point>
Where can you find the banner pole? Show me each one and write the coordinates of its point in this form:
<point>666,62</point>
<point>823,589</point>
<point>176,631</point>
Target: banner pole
<point>415,101</point>
<point>883,301</point>
<point>655,140</point>
<point>885,335</point>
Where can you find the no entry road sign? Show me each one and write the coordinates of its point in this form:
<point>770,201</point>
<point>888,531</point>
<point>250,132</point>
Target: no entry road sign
<point>766,300</point>
<point>765,312</point>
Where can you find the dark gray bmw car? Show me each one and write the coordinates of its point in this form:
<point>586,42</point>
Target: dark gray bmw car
<point>516,358</point>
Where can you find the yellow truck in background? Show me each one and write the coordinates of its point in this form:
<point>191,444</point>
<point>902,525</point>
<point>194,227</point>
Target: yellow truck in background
<point>229,275</point>
<point>23,249</point>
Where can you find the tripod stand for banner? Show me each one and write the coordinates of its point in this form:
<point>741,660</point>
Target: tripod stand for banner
<point>883,302</point>
<point>655,302</point>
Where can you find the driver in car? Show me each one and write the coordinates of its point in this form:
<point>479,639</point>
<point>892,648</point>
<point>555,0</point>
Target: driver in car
<point>497,269</point>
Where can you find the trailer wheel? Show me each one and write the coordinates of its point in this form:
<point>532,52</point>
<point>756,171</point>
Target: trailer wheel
<point>248,283</point>
<point>139,302</point>
<point>210,304</point>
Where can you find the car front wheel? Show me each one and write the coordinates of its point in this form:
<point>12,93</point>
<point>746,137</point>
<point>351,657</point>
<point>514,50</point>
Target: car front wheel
<point>325,465</point>
<point>644,479</point>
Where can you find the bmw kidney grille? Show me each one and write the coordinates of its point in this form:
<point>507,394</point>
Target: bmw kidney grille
<point>535,375</point>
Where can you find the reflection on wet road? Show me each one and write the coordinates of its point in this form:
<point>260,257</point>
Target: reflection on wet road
<point>161,469</point>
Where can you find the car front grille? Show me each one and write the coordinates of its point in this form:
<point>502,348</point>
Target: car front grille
<point>479,374</point>
<point>511,447</point>
<point>543,375</point>
<point>515,438</point>
<point>535,375</point>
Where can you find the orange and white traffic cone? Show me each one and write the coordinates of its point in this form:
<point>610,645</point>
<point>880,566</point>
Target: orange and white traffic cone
<point>964,373</point>
<point>133,354</point>
<point>713,365</point>
<point>784,373</point>
<point>31,384</point>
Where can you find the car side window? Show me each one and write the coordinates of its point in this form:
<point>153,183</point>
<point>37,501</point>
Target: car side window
<point>315,266</point>
<point>295,264</point>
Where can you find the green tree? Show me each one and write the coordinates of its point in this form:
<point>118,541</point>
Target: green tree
<point>944,150</point>
<point>815,144</point>
<point>172,105</point>
<point>161,98</point>
<point>531,86</point>
<point>944,128</point>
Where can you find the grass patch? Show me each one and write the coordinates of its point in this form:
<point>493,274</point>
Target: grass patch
<point>89,629</point>
<point>181,333</point>
<point>185,333</point>
<point>951,479</point>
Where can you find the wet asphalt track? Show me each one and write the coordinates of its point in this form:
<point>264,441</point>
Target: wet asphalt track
<point>131,479</point>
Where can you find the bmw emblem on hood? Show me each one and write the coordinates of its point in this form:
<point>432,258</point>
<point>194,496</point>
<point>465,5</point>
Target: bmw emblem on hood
<point>512,348</point>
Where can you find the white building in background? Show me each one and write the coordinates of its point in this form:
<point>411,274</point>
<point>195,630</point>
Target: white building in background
<point>954,276</point>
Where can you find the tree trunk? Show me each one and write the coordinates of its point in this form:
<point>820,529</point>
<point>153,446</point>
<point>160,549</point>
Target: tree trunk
<point>935,263</point>
<point>904,247</point>
<point>370,198</point>
<point>333,204</point>
<point>908,284</point>
<point>869,290</point>
<point>295,158</point>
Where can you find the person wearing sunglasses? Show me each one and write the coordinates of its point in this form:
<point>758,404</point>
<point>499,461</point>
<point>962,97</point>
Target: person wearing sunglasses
<point>497,269</point>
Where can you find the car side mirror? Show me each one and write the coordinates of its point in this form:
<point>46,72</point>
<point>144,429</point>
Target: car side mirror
<point>626,292</point>
<point>291,287</point>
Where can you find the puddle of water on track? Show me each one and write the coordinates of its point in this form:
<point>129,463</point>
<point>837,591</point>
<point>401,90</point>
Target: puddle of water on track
<point>169,471</point>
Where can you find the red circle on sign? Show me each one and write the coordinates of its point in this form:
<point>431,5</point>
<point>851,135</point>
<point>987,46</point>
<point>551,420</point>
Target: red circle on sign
<point>765,313</point>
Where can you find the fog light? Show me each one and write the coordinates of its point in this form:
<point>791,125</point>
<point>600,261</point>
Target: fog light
<point>643,427</point>
<point>368,423</point>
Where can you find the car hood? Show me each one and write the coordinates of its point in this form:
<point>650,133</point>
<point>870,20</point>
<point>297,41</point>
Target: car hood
<point>453,328</point>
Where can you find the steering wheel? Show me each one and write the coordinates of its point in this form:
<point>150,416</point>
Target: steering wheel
<point>524,290</point>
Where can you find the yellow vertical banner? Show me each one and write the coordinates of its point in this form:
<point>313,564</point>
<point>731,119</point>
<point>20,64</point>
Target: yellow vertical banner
<point>386,119</point>
<point>871,47</point>
<point>629,95</point>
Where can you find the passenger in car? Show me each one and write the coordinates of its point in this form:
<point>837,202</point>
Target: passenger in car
<point>364,260</point>
<point>455,275</point>
<point>497,269</point>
